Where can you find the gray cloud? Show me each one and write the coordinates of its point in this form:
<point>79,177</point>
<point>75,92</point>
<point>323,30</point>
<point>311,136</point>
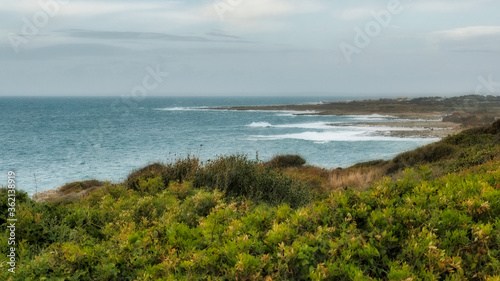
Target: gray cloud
<point>62,51</point>
<point>121,35</point>
<point>481,39</point>
<point>220,33</point>
<point>91,47</point>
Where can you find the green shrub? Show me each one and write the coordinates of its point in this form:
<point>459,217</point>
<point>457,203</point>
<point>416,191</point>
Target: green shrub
<point>150,171</point>
<point>275,188</point>
<point>151,185</point>
<point>286,161</point>
<point>179,171</point>
<point>239,177</point>
<point>424,155</point>
<point>181,190</point>
<point>79,186</point>
<point>231,174</point>
<point>20,197</point>
<point>373,163</point>
<point>183,169</point>
<point>414,227</point>
<point>197,206</point>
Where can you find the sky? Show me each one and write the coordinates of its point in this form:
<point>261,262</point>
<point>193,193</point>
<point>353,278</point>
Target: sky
<point>249,47</point>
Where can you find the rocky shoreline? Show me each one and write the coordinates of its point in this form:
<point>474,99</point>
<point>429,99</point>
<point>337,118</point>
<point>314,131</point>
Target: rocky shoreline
<point>433,117</point>
<point>412,128</point>
<point>479,109</point>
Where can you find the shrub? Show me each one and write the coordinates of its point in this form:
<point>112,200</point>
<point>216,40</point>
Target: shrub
<point>239,177</point>
<point>316,178</point>
<point>151,185</point>
<point>494,128</point>
<point>183,169</point>
<point>373,163</point>
<point>197,206</point>
<point>275,188</point>
<point>21,197</point>
<point>150,171</point>
<point>285,161</point>
<point>428,154</point>
<point>231,174</point>
<point>181,190</point>
<point>413,228</point>
<point>79,186</point>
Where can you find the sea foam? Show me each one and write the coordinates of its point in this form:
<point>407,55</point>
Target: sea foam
<point>344,136</point>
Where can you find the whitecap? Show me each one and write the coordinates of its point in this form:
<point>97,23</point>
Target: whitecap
<point>344,136</point>
<point>310,125</point>
<point>372,117</point>
<point>260,125</point>
<point>180,108</point>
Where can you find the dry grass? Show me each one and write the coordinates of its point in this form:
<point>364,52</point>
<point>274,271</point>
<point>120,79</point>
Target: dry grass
<point>316,177</point>
<point>324,181</point>
<point>358,178</point>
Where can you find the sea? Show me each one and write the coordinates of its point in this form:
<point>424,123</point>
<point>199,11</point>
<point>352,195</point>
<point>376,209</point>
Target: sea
<point>51,141</point>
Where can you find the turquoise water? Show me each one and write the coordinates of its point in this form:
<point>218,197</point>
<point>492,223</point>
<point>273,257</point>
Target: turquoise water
<point>53,141</point>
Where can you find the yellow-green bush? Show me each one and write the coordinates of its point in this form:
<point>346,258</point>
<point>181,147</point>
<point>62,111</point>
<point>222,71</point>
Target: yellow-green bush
<point>447,228</point>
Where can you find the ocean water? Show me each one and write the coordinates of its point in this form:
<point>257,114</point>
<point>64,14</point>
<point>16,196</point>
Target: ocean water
<point>49,142</point>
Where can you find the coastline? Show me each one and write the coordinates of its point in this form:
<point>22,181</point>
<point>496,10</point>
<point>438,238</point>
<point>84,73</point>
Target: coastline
<point>414,128</point>
<point>423,118</point>
<point>429,117</point>
<point>405,108</point>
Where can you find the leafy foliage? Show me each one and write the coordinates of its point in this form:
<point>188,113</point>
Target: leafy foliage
<point>454,153</point>
<point>286,161</point>
<point>447,228</point>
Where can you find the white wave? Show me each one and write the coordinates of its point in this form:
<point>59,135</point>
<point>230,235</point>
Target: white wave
<point>260,125</point>
<point>333,126</point>
<point>278,112</point>
<point>286,115</point>
<point>291,113</point>
<point>180,108</point>
<point>346,136</point>
<point>372,117</point>
<point>379,128</point>
<point>314,103</point>
<point>312,125</point>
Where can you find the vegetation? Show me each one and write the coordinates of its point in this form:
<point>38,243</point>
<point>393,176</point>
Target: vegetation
<point>435,215</point>
<point>236,176</point>
<point>285,161</point>
<point>468,110</point>
<point>452,154</point>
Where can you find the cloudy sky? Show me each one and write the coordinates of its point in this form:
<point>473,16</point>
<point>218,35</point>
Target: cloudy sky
<point>226,47</point>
